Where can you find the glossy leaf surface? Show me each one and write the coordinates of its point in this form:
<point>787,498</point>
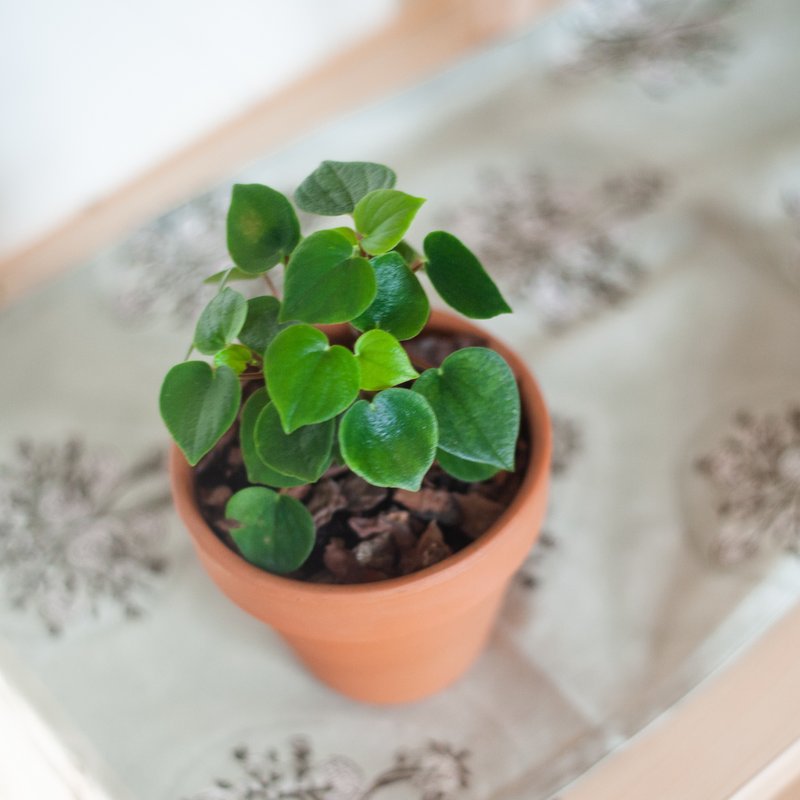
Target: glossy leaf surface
<point>390,441</point>
<point>382,360</point>
<point>308,379</point>
<point>469,471</point>
<point>275,532</point>
<point>400,306</point>
<point>304,454</point>
<point>325,282</point>
<point>476,401</point>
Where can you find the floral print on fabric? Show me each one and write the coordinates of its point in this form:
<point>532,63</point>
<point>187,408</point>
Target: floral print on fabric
<point>159,270</point>
<point>79,530</point>
<point>663,46</point>
<point>755,474</point>
<point>435,771</point>
<point>559,244</point>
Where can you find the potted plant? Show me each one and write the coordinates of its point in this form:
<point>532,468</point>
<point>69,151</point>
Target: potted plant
<point>360,473</point>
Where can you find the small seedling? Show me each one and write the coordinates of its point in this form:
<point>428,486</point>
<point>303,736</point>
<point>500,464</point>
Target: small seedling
<point>319,403</point>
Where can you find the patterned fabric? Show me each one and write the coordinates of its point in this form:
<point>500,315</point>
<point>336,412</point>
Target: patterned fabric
<point>663,46</point>
<point>159,270</point>
<point>71,539</point>
<point>433,772</point>
<point>755,472</point>
<point>558,244</point>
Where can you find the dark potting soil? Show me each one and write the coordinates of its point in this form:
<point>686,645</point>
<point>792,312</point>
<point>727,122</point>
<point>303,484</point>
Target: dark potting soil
<point>366,533</point>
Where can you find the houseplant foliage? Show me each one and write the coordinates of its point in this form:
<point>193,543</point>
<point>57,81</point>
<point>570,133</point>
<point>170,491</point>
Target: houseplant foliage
<point>319,403</point>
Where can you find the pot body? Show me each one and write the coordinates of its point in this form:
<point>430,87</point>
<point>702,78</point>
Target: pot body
<point>402,639</point>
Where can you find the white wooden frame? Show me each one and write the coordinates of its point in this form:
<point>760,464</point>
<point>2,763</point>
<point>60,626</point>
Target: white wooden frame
<point>736,736</point>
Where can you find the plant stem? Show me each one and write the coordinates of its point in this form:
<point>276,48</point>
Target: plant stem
<point>271,286</point>
<point>224,280</point>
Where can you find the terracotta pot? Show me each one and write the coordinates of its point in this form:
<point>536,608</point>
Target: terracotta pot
<point>401,639</point>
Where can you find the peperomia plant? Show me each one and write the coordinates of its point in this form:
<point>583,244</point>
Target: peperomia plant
<point>317,403</point>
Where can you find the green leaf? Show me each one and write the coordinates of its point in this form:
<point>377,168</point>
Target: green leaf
<point>382,361</point>
<point>257,470</point>
<point>308,379</point>
<point>470,471</point>
<point>235,356</point>
<point>335,187</point>
<point>460,279</point>
<point>198,405</point>
<point>262,227</point>
<point>261,325</point>
<point>408,253</point>
<point>305,453</point>
<point>348,234</point>
<point>275,532</point>
<point>236,274</point>
<point>400,306</point>
<point>476,401</point>
<point>325,282</point>
<point>390,441</point>
<point>220,321</point>
<point>382,217</point>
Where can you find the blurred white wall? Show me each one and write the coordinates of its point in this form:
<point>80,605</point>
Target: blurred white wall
<point>95,91</point>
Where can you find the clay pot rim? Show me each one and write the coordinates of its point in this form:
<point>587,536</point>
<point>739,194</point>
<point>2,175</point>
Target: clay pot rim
<point>536,415</point>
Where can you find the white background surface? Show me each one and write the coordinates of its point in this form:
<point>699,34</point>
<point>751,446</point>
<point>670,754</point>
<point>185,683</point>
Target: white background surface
<point>94,92</point>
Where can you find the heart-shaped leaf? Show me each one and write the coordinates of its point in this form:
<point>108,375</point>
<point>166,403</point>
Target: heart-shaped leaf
<point>335,187</point>
<point>476,401</point>
<point>382,217</point>
<point>262,227</point>
<point>400,306</point>
<point>470,471</point>
<point>460,279</point>
<point>235,356</point>
<point>308,379</point>
<point>325,282</point>
<point>261,325</point>
<point>257,470</point>
<point>275,532</point>
<point>382,361</point>
<point>220,321</point>
<point>390,441</point>
<point>230,274</point>
<point>198,405</point>
<point>304,453</point>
